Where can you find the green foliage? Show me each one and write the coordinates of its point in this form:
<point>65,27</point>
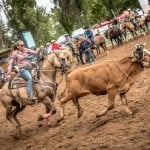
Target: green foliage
<point>65,17</point>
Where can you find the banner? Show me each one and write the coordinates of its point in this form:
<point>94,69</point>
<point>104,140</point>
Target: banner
<point>144,5</point>
<point>28,39</point>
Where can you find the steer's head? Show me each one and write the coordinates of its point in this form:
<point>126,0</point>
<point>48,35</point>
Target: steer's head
<point>142,55</point>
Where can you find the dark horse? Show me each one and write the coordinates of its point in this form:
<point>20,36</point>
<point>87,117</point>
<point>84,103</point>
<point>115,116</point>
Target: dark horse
<point>147,21</point>
<point>2,77</point>
<point>114,34</point>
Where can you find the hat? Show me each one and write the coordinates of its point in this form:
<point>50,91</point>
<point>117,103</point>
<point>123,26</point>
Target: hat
<point>129,9</point>
<point>86,27</point>
<point>52,41</point>
<point>47,43</point>
<point>66,35</point>
<point>81,37</point>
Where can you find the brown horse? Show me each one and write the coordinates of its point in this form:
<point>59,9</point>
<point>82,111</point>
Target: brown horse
<point>147,21</point>
<point>15,100</point>
<point>100,42</point>
<point>109,77</point>
<point>141,24</point>
<point>128,26</point>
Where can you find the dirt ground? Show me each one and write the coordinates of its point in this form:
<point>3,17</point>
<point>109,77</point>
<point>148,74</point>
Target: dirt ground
<point>114,131</point>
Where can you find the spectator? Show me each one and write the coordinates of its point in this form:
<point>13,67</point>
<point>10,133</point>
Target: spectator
<point>68,42</point>
<point>55,46</point>
<point>85,48</point>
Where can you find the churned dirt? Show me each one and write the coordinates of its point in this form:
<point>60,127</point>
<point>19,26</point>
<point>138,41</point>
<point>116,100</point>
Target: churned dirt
<point>114,131</point>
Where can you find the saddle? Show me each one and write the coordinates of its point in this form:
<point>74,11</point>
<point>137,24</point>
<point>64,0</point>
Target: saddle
<point>18,81</point>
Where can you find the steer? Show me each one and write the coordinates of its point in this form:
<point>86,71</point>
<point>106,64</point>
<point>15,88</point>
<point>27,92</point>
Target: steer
<point>110,77</point>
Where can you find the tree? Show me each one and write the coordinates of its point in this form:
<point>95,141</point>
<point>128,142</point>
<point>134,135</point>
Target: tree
<point>70,12</point>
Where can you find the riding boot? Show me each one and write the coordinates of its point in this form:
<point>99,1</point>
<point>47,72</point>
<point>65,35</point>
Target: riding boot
<point>32,97</point>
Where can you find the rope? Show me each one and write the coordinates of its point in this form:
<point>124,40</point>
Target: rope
<point>123,70</point>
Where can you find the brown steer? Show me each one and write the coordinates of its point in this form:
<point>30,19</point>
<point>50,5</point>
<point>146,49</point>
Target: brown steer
<point>109,77</point>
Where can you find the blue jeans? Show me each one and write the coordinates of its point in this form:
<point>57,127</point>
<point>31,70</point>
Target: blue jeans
<point>89,56</point>
<point>27,76</point>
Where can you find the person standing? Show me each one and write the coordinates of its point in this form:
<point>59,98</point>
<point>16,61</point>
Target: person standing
<point>68,42</point>
<point>85,48</point>
<point>55,46</point>
<point>20,57</point>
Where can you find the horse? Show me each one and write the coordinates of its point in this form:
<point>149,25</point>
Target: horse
<point>114,34</point>
<point>128,26</point>
<point>141,24</point>
<point>147,21</point>
<point>100,42</point>
<point>15,99</point>
<point>2,77</point>
<point>109,77</point>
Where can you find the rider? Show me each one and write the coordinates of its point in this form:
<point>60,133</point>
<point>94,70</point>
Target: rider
<point>89,35</point>
<point>132,17</point>
<point>20,57</point>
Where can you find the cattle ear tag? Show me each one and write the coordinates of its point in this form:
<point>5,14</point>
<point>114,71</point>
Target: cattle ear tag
<point>133,59</point>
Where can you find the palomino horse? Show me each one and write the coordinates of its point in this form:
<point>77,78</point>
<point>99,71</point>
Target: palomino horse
<point>100,42</point>
<point>45,89</point>
<point>109,77</point>
<point>128,26</point>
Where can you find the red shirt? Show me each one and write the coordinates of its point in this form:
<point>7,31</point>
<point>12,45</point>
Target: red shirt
<point>55,46</point>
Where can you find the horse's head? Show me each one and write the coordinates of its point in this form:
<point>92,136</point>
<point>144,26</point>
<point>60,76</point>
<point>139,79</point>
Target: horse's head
<point>63,60</point>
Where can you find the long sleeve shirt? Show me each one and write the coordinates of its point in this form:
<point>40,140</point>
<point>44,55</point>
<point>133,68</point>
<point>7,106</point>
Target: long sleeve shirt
<point>21,58</point>
<point>88,33</point>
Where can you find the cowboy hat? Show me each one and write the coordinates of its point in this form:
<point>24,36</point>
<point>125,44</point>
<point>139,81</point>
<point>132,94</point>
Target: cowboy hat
<point>47,43</point>
<point>52,41</point>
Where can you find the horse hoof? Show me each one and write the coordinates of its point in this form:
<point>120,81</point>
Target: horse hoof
<point>40,118</point>
<point>59,120</point>
<point>98,115</point>
<point>16,136</point>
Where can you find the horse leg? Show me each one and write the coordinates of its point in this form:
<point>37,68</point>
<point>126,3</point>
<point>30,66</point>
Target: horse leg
<point>111,99</point>
<point>125,36</point>
<point>125,103</point>
<point>98,50</point>
<point>50,109</point>
<point>10,117</point>
<point>103,45</point>
<point>112,43</point>
<point>16,111</point>
<point>117,41</point>
<point>80,110</point>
